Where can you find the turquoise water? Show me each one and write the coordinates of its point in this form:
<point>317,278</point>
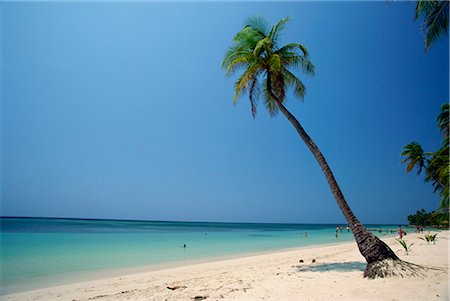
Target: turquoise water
<point>43,252</point>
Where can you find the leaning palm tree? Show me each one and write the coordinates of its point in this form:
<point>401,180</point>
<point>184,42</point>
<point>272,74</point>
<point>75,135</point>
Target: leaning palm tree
<point>435,164</point>
<point>416,158</point>
<point>435,19</point>
<point>268,67</point>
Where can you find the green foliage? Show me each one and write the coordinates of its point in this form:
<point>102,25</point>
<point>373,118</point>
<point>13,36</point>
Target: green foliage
<point>415,157</point>
<point>405,246</point>
<point>266,66</point>
<point>435,164</point>
<point>435,19</point>
<point>422,218</point>
<point>429,238</point>
<point>442,120</point>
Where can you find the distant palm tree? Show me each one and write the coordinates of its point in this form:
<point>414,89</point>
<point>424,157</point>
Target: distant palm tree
<point>267,66</point>
<point>435,164</point>
<point>415,157</point>
<point>435,14</point>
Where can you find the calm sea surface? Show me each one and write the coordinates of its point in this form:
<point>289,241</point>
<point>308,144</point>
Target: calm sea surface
<point>37,252</point>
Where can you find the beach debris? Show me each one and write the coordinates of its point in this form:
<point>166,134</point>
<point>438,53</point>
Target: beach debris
<point>313,261</point>
<point>126,292</point>
<point>198,298</point>
<point>95,297</point>
<point>175,287</point>
<point>301,261</point>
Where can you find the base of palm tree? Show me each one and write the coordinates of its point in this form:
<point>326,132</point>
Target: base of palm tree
<point>397,268</point>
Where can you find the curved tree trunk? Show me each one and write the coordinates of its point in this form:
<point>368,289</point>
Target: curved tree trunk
<point>377,254</point>
<point>371,247</point>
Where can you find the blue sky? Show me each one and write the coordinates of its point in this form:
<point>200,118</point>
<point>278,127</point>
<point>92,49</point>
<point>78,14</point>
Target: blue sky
<point>122,110</point>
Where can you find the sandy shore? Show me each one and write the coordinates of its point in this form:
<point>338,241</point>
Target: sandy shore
<point>337,274</point>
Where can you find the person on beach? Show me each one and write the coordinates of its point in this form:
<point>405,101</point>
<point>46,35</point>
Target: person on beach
<point>337,229</point>
<point>400,231</point>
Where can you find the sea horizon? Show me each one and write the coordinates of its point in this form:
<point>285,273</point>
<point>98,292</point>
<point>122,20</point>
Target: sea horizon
<point>186,221</point>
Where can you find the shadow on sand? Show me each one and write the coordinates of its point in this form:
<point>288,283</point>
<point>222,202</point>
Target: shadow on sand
<point>336,267</point>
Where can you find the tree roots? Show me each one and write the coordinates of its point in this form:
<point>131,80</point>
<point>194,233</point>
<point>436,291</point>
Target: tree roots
<point>397,268</point>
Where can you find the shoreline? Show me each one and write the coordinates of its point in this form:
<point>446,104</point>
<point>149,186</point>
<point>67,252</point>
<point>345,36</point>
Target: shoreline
<point>22,282</point>
<point>259,276</point>
<point>87,276</point>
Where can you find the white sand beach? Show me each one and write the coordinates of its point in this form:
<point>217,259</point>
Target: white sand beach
<point>337,274</point>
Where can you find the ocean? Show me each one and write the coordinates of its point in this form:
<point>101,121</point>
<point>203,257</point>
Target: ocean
<point>39,252</point>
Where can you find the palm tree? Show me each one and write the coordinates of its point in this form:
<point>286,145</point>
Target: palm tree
<point>439,168</point>
<point>415,157</point>
<point>443,124</point>
<point>436,168</point>
<point>439,174</point>
<point>267,66</point>
<point>435,14</point>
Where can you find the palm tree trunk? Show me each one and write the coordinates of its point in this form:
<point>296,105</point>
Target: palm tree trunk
<point>431,177</point>
<point>371,247</point>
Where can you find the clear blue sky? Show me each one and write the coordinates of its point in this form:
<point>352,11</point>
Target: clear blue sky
<point>122,110</point>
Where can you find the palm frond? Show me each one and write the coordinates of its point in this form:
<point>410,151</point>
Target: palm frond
<point>262,45</point>
<point>275,33</point>
<point>424,7</point>
<point>299,88</point>
<point>247,38</point>
<point>414,155</point>
<point>259,24</point>
<point>436,23</point>
<point>443,121</point>
<point>254,93</point>
<point>277,84</point>
<point>296,55</point>
<point>275,64</point>
<point>435,19</point>
<point>269,101</point>
<point>293,47</point>
<point>237,61</point>
<point>295,61</point>
<point>243,82</point>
